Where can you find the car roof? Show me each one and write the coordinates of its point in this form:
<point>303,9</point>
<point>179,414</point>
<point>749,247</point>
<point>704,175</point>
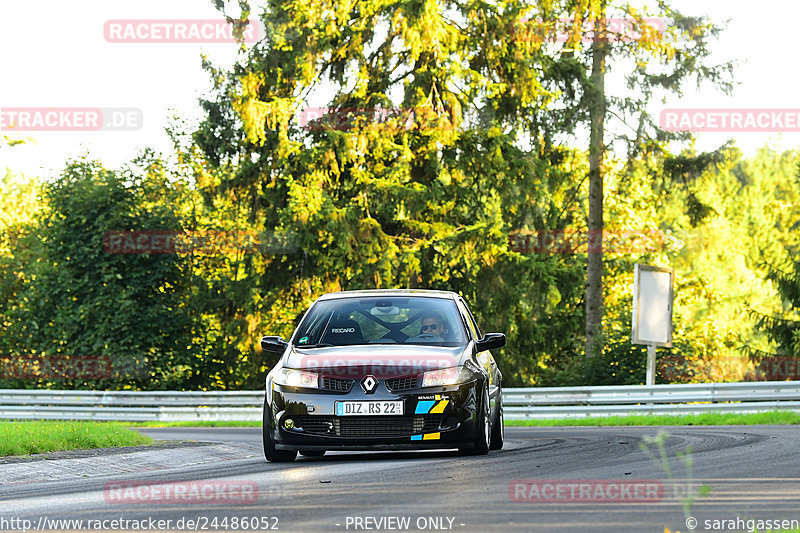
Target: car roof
<point>425,293</point>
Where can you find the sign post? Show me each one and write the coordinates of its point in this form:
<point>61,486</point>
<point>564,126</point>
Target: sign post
<point>651,364</point>
<point>652,311</point>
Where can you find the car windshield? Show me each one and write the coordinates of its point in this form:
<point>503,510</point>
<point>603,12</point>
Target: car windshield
<point>382,320</point>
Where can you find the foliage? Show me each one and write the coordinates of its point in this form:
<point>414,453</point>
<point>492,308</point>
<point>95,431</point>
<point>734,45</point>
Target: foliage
<point>77,300</point>
<point>720,260</point>
<point>415,176</point>
<point>19,207</point>
<point>396,144</point>
<point>750,209</point>
<point>784,329</point>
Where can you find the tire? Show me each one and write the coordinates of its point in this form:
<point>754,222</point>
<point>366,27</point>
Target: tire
<point>498,430</point>
<point>483,429</point>
<point>312,453</point>
<point>270,453</point>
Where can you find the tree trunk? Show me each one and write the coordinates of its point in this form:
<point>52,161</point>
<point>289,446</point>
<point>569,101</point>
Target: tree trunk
<point>597,113</point>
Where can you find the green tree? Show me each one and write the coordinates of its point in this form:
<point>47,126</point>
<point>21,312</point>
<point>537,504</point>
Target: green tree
<point>604,35</point>
<point>78,300</point>
<point>19,207</point>
<point>415,175</point>
<point>784,329</point>
<point>727,216</point>
<point>717,219</point>
<point>782,322</point>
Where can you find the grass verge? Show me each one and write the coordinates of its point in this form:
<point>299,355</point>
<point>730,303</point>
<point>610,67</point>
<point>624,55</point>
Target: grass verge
<point>198,424</point>
<point>24,437</point>
<point>705,419</point>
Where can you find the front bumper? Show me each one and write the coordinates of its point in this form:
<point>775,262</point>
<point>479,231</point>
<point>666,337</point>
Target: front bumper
<point>434,417</point>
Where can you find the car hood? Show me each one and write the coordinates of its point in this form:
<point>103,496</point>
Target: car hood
<point>381,361</point>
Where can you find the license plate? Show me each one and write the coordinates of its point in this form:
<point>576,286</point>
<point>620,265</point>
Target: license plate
<point>374,408</point>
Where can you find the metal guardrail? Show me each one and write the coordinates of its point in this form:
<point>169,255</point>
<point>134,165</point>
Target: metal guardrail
<point>130,406</point>
<point>519,404</point>
<point>694,398</point>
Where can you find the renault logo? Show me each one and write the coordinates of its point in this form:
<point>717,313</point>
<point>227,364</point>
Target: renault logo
<point>369,384</point>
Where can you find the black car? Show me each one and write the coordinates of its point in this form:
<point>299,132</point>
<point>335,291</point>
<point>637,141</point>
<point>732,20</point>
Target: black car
<point>384,370</point>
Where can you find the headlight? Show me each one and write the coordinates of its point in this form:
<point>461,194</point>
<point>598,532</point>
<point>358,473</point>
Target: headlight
<point>446,376</point>
<point>297,378</point>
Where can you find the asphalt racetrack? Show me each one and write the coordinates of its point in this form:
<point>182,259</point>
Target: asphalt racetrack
<point>545,479</point>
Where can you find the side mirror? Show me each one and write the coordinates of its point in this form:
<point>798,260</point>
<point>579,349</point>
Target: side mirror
<point>490,341</point>
<point>273,344</point>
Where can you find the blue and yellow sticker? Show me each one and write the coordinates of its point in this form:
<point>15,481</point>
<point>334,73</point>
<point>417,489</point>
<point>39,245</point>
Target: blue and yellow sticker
<point>427,436</point>
<point>427,407</point>
<point>435,406</point>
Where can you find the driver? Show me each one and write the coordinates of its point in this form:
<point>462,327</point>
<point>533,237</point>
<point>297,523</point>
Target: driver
<point>432,324</point>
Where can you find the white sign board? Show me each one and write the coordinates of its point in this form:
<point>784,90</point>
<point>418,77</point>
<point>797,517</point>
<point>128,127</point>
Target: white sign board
<point>652,305</point>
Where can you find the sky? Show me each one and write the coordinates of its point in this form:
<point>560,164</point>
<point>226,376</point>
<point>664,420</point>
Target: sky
<point>55,54</point>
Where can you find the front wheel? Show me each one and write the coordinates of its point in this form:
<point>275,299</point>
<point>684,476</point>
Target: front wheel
<point>498,430</point>
<point>483,429</point>
<point>270,453</point>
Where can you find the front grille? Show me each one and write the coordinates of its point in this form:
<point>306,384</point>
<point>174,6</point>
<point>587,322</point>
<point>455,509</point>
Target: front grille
<point>368,426</point>
<point>430,423</point>
<point>335,384</point>
<point>403,383</point>
<point>379,426</point>
<point>320,425</point>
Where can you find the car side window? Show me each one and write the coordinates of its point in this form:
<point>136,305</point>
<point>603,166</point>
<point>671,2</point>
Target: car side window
<point>467,317</point>
<point>473,321</point>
